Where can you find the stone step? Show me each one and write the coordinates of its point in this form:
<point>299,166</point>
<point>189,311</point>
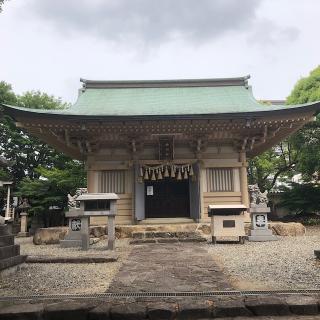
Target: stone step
<point>167,240</point>
<point>11,262</point>
<point>163,234</point>
<point>4,230</point>
<point>9,251</point>
<point>7,240</point>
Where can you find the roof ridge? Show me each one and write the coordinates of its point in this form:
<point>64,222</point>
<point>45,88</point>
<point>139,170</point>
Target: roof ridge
<point>173,83</point>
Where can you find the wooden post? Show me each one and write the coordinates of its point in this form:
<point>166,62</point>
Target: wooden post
<point>244,184</point>
<point>91,181</point>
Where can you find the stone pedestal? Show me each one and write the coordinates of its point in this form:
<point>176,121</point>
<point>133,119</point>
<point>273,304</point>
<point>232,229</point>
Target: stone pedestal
<point>259,221</point>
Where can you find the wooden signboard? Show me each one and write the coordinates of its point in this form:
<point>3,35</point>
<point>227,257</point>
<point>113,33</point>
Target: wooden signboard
<point>166,148</point>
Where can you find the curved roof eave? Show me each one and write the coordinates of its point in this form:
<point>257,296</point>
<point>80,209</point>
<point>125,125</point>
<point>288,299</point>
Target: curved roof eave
<point>16,112</point>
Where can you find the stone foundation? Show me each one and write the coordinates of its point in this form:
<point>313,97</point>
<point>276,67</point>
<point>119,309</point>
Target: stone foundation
<point>54,235</point>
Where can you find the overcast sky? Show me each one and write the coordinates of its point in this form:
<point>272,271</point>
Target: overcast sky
<point>48,45</point>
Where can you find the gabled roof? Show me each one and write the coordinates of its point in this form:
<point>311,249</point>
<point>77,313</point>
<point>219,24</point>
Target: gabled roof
<point>221,97</point>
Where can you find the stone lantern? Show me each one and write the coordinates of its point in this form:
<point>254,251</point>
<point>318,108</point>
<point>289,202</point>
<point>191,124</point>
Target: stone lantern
<point>24,219</point>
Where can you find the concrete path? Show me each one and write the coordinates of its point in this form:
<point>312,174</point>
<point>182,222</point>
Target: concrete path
<point>169,268</point>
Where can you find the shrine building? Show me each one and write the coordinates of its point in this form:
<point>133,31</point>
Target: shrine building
<point>167,148</point>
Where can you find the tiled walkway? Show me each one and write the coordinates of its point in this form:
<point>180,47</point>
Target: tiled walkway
<point>169,268</point>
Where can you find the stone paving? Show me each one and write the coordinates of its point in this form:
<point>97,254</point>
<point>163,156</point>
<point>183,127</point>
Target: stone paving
<point>177,267</point>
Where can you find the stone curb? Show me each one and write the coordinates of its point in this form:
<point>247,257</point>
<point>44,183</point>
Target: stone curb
<point>155,309</point>
<point>80,259</point>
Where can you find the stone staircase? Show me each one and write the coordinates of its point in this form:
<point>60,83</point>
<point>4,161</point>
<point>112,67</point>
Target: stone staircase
<point>145,237</point>
<point>9,252</point>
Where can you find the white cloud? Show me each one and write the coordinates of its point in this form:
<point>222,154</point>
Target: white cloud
<point>48,46</point>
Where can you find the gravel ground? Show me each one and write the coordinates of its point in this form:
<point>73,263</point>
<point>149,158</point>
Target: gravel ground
<point>43,278</point>
<point>285,264</point>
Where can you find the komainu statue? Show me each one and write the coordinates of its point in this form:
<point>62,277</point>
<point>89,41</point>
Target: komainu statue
<point>72,200</point>
<point>257,197</point>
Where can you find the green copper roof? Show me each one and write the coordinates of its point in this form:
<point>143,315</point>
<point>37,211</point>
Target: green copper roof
<point>165,101</point>
<point>160,98</point>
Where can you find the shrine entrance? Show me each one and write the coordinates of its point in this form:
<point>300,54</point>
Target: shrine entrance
<point>167,198</point>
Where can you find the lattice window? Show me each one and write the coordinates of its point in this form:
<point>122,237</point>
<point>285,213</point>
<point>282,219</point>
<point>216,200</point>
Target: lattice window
<point>112,181</point>
<point>220,180</point>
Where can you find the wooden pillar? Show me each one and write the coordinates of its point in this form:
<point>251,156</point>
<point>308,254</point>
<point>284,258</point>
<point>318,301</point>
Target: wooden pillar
<point>194,193</point>
<point>139,200</point>
<point>91,181</point>
<point>244,183</point>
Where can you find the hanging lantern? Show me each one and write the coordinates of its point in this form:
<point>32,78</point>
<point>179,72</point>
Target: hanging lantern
<point>191,173</point>
<point>146,176</point>
<point>173,172</point>
<point>185,175</point>
<point>179,175</point>
<point>153,177</point>
<point>166,172</point>
<point>160,175</point>
<point>141,172</point>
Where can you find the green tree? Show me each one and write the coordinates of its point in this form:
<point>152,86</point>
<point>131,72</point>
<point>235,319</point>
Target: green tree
<point>298,154</point>
<point>306,89</point>
<point>39,172</point>
<point>40,100</point>
<point>301,198</point>
<point>7,96</point>
<point>16,145</point>
<point>273,165</point>
<point>307,140</point>
<point>52,188</point>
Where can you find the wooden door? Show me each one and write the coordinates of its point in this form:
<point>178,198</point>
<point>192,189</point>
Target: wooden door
<point>167,198</point>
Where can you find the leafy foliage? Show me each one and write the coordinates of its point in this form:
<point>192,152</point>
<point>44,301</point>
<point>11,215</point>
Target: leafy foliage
<point>6,94</point>
<point>307,89</point>
<point>298,154</point>
<point>16,145</point>
<point>52,187</point>
<point>39,100</point>
<point>276,164</point>
<point>307,140</point>
<point>302,198</point>
<point>40,173</point>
